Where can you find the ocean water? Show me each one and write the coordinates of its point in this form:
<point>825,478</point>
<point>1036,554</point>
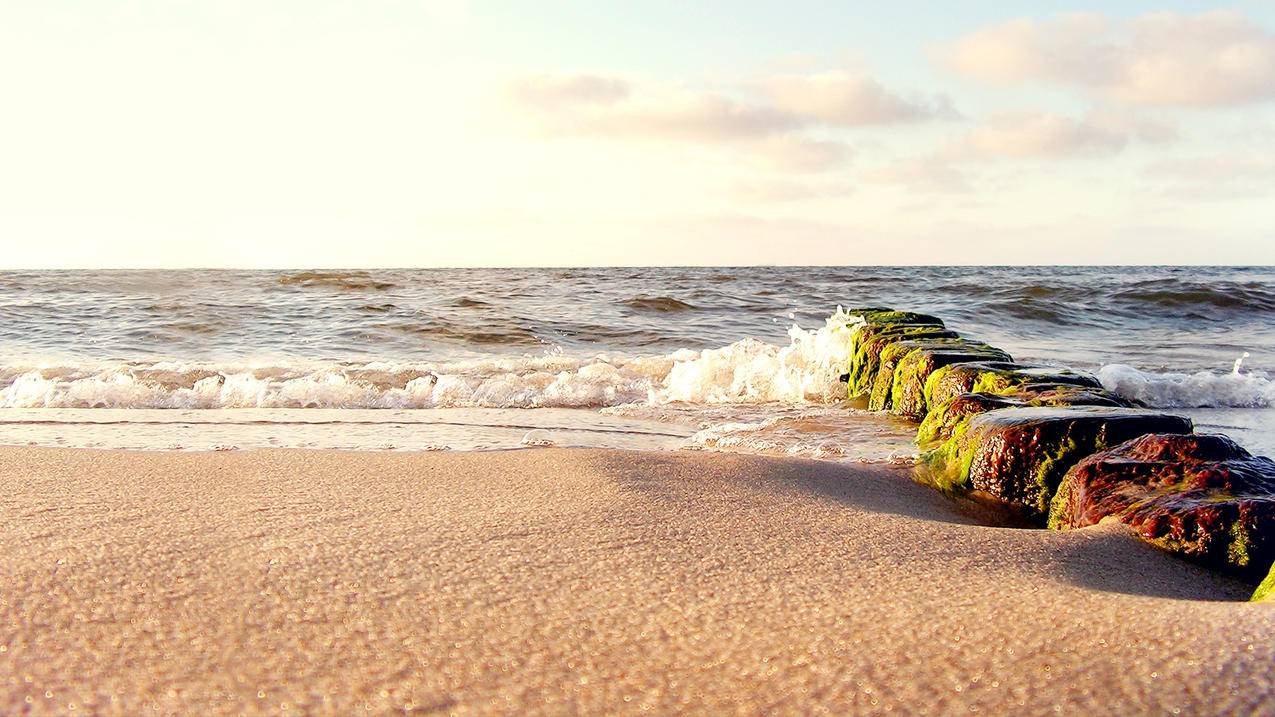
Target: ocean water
<point>708,358</point>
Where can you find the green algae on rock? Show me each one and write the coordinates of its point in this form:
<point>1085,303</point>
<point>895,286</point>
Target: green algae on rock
<point>1200,496</point>
<point>1265,592</point>
<point>943,419</point>
<point>998,377</point>
<point>1017,456</point>
<point>880,399</point>
<point>907,392</point>
<point>877,316</point>
<point>870,340</point>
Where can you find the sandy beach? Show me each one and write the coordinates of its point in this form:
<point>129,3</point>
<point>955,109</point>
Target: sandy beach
<point>582,581</point>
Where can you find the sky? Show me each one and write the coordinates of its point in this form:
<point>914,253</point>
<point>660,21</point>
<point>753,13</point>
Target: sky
<point>425,133</point>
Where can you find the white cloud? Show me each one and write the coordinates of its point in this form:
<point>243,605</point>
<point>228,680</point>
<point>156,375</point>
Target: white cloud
<point>1041,134</point>
<point>853,100</point>
<point>769,126</point>
<point>605,106</point>
<point>1165,59</point>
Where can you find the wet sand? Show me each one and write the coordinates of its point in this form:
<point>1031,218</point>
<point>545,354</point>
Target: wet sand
<point>586,581</point>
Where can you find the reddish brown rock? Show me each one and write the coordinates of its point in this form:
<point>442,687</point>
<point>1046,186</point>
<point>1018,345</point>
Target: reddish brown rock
<point>1201,496</point>
<point>1018,456</point>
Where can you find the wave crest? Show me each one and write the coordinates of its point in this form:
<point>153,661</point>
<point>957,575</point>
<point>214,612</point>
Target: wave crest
<point>1203,389</point>
<point>748,371</point>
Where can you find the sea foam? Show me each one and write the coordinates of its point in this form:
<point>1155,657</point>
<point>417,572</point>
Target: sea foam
<point>1203,389</point>
<point>747,371</point>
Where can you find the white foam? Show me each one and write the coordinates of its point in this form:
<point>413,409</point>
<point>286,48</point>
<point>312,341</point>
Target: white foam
<point>747,371</point>
<point>1204,389</point>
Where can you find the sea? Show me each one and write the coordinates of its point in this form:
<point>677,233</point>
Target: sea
<point>716,358</point>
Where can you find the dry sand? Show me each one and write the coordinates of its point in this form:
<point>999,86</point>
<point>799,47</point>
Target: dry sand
<point>582,581</point>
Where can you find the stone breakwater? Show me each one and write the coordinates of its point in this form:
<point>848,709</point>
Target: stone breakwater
<point>1050,446</point>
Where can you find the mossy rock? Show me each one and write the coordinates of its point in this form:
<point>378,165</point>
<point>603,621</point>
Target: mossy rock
<point>1018,456</point>
<point>878,316</point>
<point>907,394</point>
<point>1265,592</point>
<point>950,417</point>
<point>1199,496</point>
<point>871,339</point>
<point>998,377</point>
<point>944,419</point>
<point>880,397</point>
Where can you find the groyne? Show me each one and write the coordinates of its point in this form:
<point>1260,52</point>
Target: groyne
<point>1053,447</point>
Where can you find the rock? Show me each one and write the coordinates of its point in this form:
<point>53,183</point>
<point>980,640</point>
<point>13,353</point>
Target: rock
<point>871,339</point>
<point>878,316</point>
<point>907,394</point>
<point>998,377</point>
<point>1265,592</point>
<point>1200,496</point>
<point>1017,456</point>
<point>951,417</point>
<point>880,399</point>
<point>944,419</point>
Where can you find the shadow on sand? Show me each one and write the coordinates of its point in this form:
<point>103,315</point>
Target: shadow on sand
<point>1107,557</point>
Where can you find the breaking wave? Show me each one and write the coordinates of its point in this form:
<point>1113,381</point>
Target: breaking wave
<point>1203,389</point>
<point>748,371</point>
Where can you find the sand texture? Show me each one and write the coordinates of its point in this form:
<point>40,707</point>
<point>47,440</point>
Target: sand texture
<point>583,581</point>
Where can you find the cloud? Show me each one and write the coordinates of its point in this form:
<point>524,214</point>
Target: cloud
<point>851,100</point>
<point>604,106</point>
<point>770,122</point>
<point>552,91</point>
<point>1163,59</point>
<point>1041,134</point>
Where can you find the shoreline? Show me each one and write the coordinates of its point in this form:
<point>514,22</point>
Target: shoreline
<point>552,580</point>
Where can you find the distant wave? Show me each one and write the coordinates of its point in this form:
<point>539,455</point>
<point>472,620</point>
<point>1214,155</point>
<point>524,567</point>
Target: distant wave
<point>489,332</point>
<point>1204,389</point>
<point>657,303</point>
<point>1246,296</point>
<point>748,371</point>
<point>344,280</point>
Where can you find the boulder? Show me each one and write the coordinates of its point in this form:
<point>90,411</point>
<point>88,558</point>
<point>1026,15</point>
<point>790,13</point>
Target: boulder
<point>999,377</point>
<point>880,399</point>
<point>944,419</point>
<point>1018,456</point>
<point>1200,496</point>
<point>907,393</point>
<point>951,417</point>
<point>878,316</point>
<point>871,339</point>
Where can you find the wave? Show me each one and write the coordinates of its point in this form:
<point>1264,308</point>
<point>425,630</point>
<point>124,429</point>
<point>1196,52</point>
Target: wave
<point>1196,295</point>
<point>1203,389</point>
<point>748,371</point>
<point>504,332</point>
<point>662,304</point>
<point>344,280</point>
